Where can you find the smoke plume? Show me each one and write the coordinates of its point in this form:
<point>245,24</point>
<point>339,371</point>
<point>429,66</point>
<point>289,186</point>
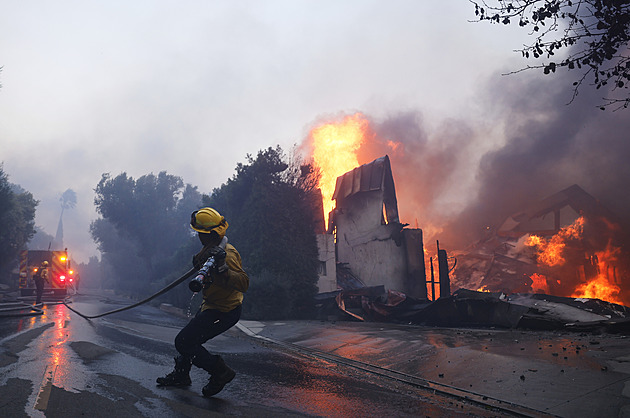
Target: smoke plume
<point>454,192</point>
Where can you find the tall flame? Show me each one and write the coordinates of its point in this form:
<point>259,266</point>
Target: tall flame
<point>335,147</point>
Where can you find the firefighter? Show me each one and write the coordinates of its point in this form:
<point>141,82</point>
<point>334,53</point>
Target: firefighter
<point>223,290</point>
<point>40,276</point>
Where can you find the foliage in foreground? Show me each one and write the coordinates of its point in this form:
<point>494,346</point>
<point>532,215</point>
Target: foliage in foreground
<point>590,36</point>
<point>17,225</point>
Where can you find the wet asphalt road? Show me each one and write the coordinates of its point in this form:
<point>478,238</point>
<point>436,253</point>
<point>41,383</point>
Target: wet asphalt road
<point>61,365</point>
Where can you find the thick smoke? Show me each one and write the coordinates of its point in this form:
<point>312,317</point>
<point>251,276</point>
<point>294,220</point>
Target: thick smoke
<point>429,170</point>
<point>455,193</point>
<point>550,146</point>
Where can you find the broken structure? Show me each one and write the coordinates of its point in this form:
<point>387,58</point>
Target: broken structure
<point>365,244</point>
<point>372,266</point>
<point>503,261</point>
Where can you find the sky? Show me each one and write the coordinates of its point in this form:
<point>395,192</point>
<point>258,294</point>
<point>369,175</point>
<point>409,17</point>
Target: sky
<point>192,87</point>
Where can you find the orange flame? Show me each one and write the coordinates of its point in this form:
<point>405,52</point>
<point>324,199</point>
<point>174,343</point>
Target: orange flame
<point>602,286</point>
<point>539,283</point>
<point>550,251</point>
<point>599,288</point>
<point>335,148</point>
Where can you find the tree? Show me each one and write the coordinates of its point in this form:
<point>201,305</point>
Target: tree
<point>269,207</point>
<point>590,36</point>
<point>17,223</point>
<point>119,255</point>
<point>144,223</point>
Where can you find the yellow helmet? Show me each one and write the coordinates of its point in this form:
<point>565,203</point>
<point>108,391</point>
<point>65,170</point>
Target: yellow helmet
<point>207,220</point>
<point>45,263</point>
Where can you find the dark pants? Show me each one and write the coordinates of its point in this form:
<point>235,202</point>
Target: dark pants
<point>39,289</point>
<point>204,326</point>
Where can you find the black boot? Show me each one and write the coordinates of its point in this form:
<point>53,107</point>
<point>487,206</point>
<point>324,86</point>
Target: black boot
<point>221,375</point>
<point>179,376</point>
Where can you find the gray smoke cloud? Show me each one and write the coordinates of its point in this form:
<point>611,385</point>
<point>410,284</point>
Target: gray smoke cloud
<point>455,187</point>
<point>550,146</point>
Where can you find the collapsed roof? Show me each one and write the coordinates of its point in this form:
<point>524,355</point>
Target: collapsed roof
<point>549,215</point>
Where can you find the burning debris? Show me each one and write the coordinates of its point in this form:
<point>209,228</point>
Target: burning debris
<point>567,245</point>
<point>542,267</point>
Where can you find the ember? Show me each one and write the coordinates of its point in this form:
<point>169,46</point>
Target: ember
<point>539,283</point>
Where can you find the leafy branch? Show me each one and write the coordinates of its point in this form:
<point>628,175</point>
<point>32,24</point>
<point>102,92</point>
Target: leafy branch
<point>591,36</point>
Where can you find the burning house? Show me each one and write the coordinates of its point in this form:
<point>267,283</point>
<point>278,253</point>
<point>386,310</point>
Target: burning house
<point>369,259</point>
<point>370,240</point>
<point>567,245</point>
<point>556,264</point>
<point>371,262</point>
<point>545,267</point>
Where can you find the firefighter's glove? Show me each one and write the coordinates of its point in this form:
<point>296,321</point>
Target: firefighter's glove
<point>219,260</point>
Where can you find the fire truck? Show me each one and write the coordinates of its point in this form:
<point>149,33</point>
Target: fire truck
<point>60,273</point>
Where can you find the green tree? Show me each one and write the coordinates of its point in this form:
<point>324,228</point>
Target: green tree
<point>269,207</point>
<point>144,222</point>
<point>17,223</point>
<point>590,36</point>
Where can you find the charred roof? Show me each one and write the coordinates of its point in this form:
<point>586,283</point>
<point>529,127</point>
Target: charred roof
<point>370,177</point>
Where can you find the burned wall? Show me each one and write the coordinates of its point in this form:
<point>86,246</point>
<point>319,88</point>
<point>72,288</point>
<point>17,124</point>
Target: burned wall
<point>373,250</point>
<point>370,240</point>
<point>327,271</point>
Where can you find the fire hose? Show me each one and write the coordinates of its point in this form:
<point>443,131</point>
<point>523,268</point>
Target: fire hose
<point>33,310</point>
<point>155,295</point>
<point>195,285</point>
<point>19,306</point>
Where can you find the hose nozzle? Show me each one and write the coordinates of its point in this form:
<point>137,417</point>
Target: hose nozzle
<point>197,284</point>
